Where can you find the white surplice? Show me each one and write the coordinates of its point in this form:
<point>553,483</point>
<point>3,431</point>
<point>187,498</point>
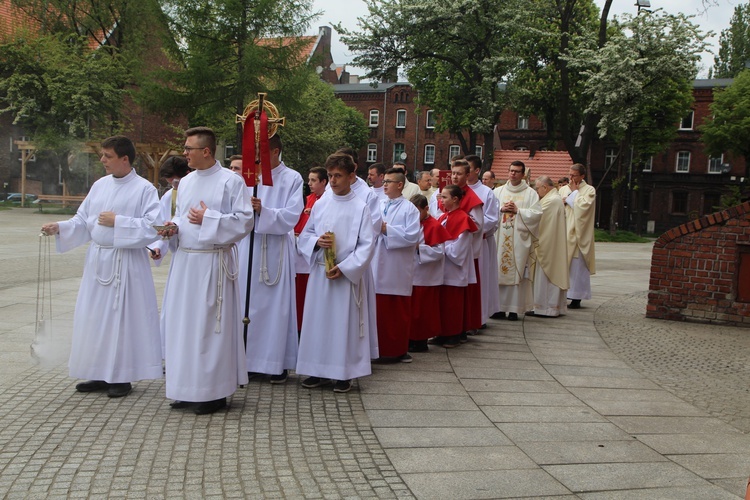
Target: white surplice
<point>336,330</point>
<point>393,263</point>
<point>379,192</point>
<point>514,240</point>
<point>205,355</point>
<point>116,321</point>
<point>488,256</point>
<point>272,332</point>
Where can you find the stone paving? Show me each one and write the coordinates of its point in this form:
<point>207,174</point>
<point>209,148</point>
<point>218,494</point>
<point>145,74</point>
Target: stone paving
<point>601,403</point>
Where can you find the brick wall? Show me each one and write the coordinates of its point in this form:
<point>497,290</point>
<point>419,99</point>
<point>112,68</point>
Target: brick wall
<point>700,270</point>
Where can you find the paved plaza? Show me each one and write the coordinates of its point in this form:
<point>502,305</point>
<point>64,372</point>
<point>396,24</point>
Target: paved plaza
<point>600,403</point>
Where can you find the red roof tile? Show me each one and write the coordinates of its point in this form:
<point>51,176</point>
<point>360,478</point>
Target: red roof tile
<point>307,44</point>
<point>554,164</point>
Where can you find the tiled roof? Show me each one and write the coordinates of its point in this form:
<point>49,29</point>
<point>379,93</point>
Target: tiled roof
<point>307,44</point>
<point>364,88</point>
<point>554,164</point>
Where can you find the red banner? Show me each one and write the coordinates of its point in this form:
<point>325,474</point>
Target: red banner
<point>256,162</point>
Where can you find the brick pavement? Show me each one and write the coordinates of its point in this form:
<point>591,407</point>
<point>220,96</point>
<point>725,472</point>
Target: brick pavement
<point>571,407</point>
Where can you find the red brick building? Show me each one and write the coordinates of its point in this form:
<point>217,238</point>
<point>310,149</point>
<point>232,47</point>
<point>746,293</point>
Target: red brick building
<point>700,271</point>
<point>676,186</point>
<point>399,129</point>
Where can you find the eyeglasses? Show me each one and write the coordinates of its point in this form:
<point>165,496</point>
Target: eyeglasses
<point>388,182</point>
<point>188,148</point>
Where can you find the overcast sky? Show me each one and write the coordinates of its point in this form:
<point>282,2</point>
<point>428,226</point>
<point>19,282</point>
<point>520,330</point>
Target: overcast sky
<point>713,16</point>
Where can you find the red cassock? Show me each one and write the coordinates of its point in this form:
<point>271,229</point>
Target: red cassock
<point>391,339</point>
<point>300,281</point>
<point>425,300</point>
<point>453,296</point>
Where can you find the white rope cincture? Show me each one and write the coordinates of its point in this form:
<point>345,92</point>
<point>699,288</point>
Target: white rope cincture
<point>264,277</point>
<point>116,272</point>
<point>358,301</point>
<point>223,271</point>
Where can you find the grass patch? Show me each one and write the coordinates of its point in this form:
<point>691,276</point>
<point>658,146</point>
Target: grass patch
<point>600,235</point>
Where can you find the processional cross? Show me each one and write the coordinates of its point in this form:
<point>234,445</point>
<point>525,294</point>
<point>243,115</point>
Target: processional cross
<point>260,121</point>
<point>263,120</point>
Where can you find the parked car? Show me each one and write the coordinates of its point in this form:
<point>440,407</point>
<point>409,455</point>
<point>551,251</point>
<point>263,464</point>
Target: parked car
<point>15,198</point>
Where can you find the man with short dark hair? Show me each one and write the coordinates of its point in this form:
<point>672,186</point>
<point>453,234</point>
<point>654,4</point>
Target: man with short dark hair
<point>410,189</point>
<point>488,256</point>
<point>116,321</point>
<point>520,213</point>
<point>272,334</point>
<point>580,208</point>
<point>393,268</point>
<point>375,175</point>
<point>205,354</point>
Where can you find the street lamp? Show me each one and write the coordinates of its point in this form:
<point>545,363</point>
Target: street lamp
<point>643,4</point>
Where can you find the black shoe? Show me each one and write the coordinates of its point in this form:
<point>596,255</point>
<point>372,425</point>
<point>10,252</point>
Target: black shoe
<point>498,315</point>
<point>92,385</point>
<point>208,407</point>
<point>483,327</point>
<point>452,341</point>
<point>463,338</point>
<point>119,390</point>
<point>312,382</point>
<point>530,313</point>
<point>437,340</point>
<point>281,378</point>
<point>418,346</point>
<point>178,405</point>
<point>343,385</point>
<point>575,304</point>
<point>405,358</point>
<point>512,317</point>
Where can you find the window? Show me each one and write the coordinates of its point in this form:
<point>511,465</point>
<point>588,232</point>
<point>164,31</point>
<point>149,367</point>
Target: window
<point>687,122</point>
<point>520,148</point>
<point>454,150</point>
<point>714,164</point>
<point>429,154</point>
<point>523,122</point>
<point>478,151</point>
<point>683,162</point>
<point>398,150</point>
<point>228,151</point>
<point>711,202</point>
<point>430,119</point>
<point>374,117</point>
<point>646,201</point>
<point>401,118</point>
<point>648,165</point>
<point>372,153</point>
<point>610,155</point>
<point>679,202</point>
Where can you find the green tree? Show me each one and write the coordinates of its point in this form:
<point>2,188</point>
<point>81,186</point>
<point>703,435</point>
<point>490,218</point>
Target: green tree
<point>734,45</point>
<point>455,53</point>
<point>321,124</point>
<point>639,85</point>
<point>729,131</point>
<point>542,83</point>
<point>225,51</point>
<point>55,87</point>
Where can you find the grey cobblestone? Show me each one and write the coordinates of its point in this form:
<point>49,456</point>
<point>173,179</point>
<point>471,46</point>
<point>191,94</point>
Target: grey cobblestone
<point>707,366</point>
